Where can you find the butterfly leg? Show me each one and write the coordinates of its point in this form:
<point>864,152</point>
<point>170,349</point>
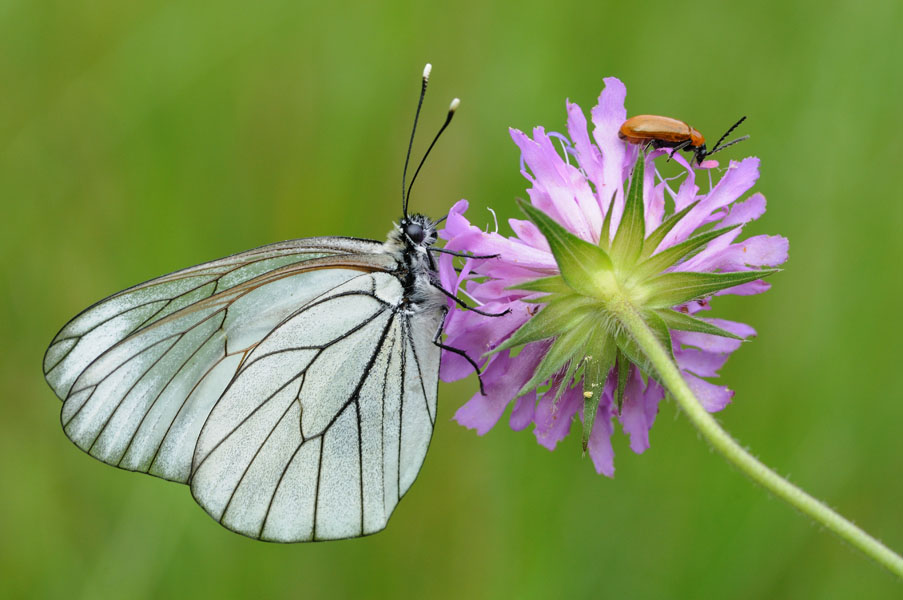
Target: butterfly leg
<point>437,340</point>
<point>466,306</point>
<point>463,254</point>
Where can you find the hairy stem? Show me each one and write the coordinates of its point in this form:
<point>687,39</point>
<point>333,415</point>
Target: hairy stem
<point>743,460</point>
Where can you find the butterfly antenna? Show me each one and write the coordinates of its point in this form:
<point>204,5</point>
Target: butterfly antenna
<point>407,159</point>
<point>451,113</point>
<point>718,147</point>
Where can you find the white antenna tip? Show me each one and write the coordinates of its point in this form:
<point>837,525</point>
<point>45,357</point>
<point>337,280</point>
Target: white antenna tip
<point>454,105</point>
<point>426,71</point>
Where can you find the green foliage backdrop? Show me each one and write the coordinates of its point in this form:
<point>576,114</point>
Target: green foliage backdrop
<point>140,137</point>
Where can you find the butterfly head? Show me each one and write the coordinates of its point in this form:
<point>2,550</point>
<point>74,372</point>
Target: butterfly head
<point>417,231</point>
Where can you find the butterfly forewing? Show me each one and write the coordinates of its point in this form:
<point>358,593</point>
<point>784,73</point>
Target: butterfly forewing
<point>109,321</point>
<point>286,384</point>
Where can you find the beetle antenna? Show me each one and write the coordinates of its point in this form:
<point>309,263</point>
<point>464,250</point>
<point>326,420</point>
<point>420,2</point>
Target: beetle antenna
<point>727,145</point>
<point>407,158</point>
<point>718,147</point>
<point>451,113</point>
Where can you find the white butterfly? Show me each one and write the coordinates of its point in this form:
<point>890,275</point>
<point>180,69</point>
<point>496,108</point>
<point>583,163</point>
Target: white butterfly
<point>292,386</point>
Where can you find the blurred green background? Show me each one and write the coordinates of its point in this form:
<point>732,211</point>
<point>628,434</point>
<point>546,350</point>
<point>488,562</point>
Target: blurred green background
<point>140,137</point>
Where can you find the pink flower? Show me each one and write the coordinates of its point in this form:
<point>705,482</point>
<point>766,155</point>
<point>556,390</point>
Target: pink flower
<point>578,190</point>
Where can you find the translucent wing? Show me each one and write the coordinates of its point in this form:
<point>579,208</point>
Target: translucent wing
<point>106,323</point>
<point>308,333</point>
<point>327,422</point>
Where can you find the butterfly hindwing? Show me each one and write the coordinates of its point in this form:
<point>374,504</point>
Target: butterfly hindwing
<point>327,423</point>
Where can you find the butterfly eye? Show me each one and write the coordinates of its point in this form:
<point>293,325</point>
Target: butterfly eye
<point>415,232</point>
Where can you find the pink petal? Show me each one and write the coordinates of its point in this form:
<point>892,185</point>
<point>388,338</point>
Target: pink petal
<point>587,154</point>
<point>496,290</point>
<point>529,234</point>
<point>743,212</point>
<point>700,362</point>
<point>512,271</point>
<point>522,413</point>
<point>509,249</point>
<point>639,410</point>
<point>655,208</point>
<point>757,251</point>
<point>477,334</point>
<point>711,256</point>
<point>694,306</point>
<point>502,382</point>
<point>679,159</point>
<point>751,253</point>
<point>553,421</point>
<point>712,397</point>
<point>739,329</point>
<point>686,193</point>
<point>558,189</point>
<point>456,224</point>
<point>448,277</point>
<point>705,341</point>
<point>747,289</point>
<point>738,179</point>
<point>652,196</point>
<point>481,413</point>
<point>451,279</point>
<point>600,450</point>
<point>608,116</point>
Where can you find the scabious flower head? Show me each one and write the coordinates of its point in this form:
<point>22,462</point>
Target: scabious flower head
<point>604,230</point>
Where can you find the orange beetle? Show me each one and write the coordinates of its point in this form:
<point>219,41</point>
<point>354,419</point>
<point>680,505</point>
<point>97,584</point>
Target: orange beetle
<point>665,132</point>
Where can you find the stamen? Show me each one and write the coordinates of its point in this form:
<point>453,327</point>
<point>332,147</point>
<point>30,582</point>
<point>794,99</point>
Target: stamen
<point>494,218</point>
<point>463,290</point>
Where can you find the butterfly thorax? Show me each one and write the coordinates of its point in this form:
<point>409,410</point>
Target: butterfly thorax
<point>409,243</point>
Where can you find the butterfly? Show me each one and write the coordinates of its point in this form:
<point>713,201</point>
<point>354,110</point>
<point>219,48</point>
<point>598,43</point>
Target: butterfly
<point>293,387</point>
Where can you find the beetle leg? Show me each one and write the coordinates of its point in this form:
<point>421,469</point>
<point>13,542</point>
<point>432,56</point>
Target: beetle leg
<point>684,144</point>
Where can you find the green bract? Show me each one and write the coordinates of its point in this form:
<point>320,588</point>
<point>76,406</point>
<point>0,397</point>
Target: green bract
<point>583,307</point>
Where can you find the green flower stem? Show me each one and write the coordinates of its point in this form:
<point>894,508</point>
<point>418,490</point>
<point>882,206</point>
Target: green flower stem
<point>634,324</point>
